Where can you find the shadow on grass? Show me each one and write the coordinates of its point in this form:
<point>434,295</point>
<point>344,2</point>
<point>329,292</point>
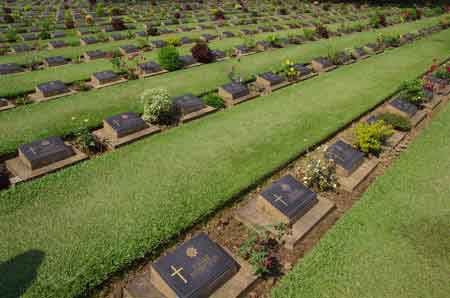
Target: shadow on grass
<point>18,273</point>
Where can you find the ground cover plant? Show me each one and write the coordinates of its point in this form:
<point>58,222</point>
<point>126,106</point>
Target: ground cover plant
<point>397,232</point>
<point>52,117</point>
<point>93,218</point>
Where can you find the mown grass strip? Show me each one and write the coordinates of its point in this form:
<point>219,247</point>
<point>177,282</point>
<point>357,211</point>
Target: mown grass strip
<point>93,218</point>
<point>395,242</point>
<point>54,118</point>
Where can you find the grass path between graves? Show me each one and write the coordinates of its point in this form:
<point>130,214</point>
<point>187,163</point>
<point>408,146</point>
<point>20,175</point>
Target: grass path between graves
<point>91,219</point>
<point>20,83</point>
<point>395,242</point>
<point>32,122</point>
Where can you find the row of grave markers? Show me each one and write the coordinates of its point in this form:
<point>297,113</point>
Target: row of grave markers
<point>200,267</point>
<point>48,155</point>
<point>56,89</point>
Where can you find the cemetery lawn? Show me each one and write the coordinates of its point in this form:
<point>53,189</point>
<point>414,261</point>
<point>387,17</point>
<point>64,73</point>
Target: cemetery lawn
<point>92,219</point>
<point>395,241</point>
<point>20,83</point>
<point>55,117</point>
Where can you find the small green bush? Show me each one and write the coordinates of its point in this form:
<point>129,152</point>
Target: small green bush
<point>156,102</point>
<point>370,137</point>
<point>168,58</point>
<point>413,91</point>
<point>396,121</point>
<point>214,101</point>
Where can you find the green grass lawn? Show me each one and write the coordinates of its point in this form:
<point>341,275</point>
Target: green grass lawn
<point>54,117</point>
<point>20,83</point>
<point>395,242</point>
<point>93,218</point>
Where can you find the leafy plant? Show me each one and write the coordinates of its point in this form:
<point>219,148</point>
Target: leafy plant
<point>156,102</point>
<point>84,139</point>
<point>370,137</point>
<point>100,10</point>
<point>257,249</point>
<point>308,33</point>
<point>413,91</point>
<point>214,101</point>
<point>320,172</point>
<point>11,35</point>
<point>173,41</point>
<point>249,42</point>
<point>201,52</point>
<point>396,121</point>
<point>322,31</point>
<point>168,58</point>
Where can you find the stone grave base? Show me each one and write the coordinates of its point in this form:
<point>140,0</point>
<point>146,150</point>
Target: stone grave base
<point>121,80</point>
<point>395,139</point>
<point>445,91</point>
<point>152,74</point>
<point>142,286</point>
<point>433,103</point>
<point>197,114</point>
<point>251,216</point>
<point>418,117</point>
<point>7,107</point>
<point>280,86</point>
<point>349,183</point>
<point>19,169</point>
<point>192,65</point>
<point>38,98</point>
<point>231,102</point>
<point>349,62</point>
<point>222,59</point>
<point>327,69</point>
<point>248,54</point>
<point>363,57</point>
<point>111,143</point>
<point>302,78</point>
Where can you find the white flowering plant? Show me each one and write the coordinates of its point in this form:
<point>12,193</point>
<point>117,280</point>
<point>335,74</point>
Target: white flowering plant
<point>156,102</point>
<point>320,173</point>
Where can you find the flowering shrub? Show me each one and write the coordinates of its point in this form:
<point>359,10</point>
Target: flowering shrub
<point>173,41</point>
<point>202,53</point>
<point>168,58</point>
<point>288,69</point>
<point>258,250</point>
<point>378,21</point>
<point>370,137</point>
<point>156,102</point>
<point>320,173</point>
<point>413,91</point>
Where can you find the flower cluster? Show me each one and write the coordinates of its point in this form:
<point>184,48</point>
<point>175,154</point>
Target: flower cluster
<point>289,70</point>
<point>156,102</point>
<point>320,173</point>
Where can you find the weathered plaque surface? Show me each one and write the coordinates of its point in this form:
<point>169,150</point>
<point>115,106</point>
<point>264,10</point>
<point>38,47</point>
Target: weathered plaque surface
<point>88,40</point>
<point>302,70</point>
<point>404,106</point>
<point>287,199</point>
<point>149,67</point>
<point>55,61</point>
<point>187,60</point>
<point>236,90</point>
<point>41,153</point>
<point>58,34</point>
<point>56,44</point>
<point>124,124</point>
<point>19,48</point>
<point>10,68</point>
<point>194,270</point>
<point>52,88</point>
<point>158,43</point>
<point>188,103</point>
<point>218,54</point>
<point>345,156</point>
<point>128,49</point>
<point>185,40</point>
<point>242,49</point>
<point>228,34</point>
<point>97,54</point>
<point>271,78</point>
<point>104,77</point>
